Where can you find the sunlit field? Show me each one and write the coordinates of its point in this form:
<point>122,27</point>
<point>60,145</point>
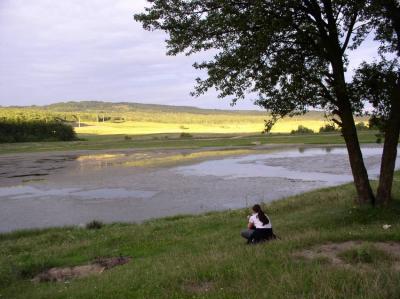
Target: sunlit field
<point>102,125</point>
<point>140,128</point>
<point>102,118</point>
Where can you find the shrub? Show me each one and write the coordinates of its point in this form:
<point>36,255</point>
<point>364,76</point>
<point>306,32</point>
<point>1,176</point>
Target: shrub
<point>185,135</point>
<point>94,224</point>
<point>302,130</point>
<point>379,137</point>
<point>35,130</point>
<point>361,126</point>
<point>328,128</point>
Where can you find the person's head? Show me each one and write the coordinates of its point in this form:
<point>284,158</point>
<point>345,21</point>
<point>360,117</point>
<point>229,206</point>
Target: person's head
<point>257,208</point>
<point>261,216</point>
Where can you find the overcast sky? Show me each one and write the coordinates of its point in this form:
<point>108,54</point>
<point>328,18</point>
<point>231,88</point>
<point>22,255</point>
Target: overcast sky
<point>52,51</point>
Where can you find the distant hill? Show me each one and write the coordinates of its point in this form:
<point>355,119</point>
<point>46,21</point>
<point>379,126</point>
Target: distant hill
<point>100,106</point>
<point>125,107</point>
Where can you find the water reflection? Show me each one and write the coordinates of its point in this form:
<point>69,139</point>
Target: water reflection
<point>326,164</point>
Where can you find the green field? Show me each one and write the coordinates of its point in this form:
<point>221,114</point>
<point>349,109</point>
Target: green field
<point>204,256</point>
<point>102,118</point>
<point>103,125</point>
<point>100,142</point>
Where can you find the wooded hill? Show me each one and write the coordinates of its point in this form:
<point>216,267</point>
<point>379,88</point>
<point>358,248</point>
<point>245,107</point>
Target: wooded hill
<point>122,111</point>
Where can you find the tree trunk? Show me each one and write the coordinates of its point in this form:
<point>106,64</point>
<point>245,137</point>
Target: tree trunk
<point>389,154</point>
<point>392,128</point>
<point>360,174</point>
<point>349,131</point>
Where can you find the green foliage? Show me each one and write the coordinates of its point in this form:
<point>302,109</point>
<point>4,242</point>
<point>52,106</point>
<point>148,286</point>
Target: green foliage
<point>302,130</point>
<point>328,128</point>
<point>71,112</point>
<point>376,83</point>
<point>35,130</point>
<point>361,126</point>
<point>379,136</point>
<point>288,53</point>
<point>185,135</point>
<point>94,224</point>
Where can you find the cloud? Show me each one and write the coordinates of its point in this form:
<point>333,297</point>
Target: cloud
<point>75,50</point>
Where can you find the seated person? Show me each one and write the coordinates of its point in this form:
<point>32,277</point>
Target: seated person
<point>259,227</point>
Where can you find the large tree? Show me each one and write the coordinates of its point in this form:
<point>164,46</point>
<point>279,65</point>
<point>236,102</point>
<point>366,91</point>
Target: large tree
<point>379,84</point>
<point>291,54</point>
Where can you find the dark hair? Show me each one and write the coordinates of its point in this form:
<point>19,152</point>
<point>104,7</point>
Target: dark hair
<point>261,216</point>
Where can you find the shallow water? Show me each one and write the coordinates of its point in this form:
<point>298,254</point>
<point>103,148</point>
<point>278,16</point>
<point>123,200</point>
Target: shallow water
<point>288,166</point>
<point>75,189</point>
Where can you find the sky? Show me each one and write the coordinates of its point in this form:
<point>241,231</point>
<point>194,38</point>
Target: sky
<point>53,51</point>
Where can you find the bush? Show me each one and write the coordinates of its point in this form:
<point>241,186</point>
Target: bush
<point>35,130</point>
<point>185,135</point>
<point>302,130</point>
<point>328,128</point>
<point>379,137</point>
<point>361,126</point>
<point>94,224</point>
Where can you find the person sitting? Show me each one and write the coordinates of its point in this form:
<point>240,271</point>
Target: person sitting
<point>259,227</point>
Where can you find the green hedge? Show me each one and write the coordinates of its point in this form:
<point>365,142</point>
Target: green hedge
<point>35,130</point>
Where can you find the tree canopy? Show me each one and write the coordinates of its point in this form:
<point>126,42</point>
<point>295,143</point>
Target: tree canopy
<point>288,55</point>
<point>281,51</point>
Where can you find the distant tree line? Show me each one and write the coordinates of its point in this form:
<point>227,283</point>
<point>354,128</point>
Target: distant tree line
<point>331,128</point>
<point>35,130</point>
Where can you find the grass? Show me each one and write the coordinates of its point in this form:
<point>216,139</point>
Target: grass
<point>365,254</point>
<point>98,142</point>
<point>204,257</point>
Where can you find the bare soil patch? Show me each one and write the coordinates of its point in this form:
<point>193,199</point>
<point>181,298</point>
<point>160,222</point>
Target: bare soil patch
<point>67,273</point>
<point>333,252</point>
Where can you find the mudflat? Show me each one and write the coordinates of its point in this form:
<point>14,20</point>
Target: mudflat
<point>71,188</point>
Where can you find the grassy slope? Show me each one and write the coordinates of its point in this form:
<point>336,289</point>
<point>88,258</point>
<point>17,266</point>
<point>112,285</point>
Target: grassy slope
<point>96,142</point>
<point>172,256</point>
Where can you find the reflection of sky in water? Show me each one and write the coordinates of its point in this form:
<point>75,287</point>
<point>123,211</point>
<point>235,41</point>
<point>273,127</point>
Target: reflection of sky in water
<point>257,166</point>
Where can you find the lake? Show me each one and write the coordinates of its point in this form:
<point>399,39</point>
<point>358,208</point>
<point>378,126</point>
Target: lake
<point>57,189</point>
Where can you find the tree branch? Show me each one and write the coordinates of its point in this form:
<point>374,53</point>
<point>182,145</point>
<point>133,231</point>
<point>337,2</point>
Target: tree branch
<point>349,32</point>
